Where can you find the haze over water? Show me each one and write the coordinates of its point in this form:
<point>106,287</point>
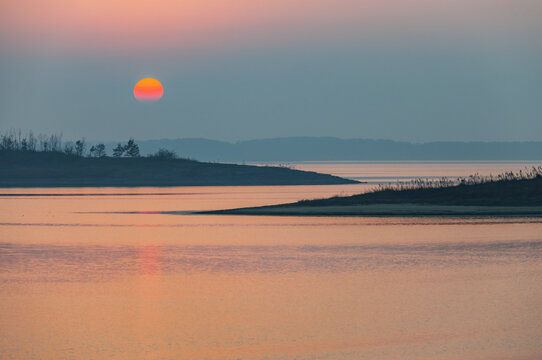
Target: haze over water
<point>102,273</point>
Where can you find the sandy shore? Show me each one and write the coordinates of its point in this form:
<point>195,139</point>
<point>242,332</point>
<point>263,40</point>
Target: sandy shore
<point>385,210</point>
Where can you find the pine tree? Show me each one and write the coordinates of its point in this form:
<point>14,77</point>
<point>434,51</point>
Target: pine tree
<point>132,149</point>
<point>99,150</point>
<point>118,151</point>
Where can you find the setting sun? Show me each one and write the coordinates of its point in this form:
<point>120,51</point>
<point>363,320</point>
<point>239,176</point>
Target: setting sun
<point>148,90</point>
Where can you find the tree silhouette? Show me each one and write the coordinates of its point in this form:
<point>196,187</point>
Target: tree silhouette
<point>118,151</point>
<point>55,142</point>
<point>99,150</point>
<point>80,147</point>
<point>24,145</point>
<point>69,148</point>
<point>132,149</point>
<point>164,154</point>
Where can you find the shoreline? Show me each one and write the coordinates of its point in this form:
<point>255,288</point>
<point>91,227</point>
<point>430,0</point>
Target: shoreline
<point>383,210</point>
<point>512,194</point>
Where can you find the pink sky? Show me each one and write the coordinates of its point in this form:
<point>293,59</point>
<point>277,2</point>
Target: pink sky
<point>147,24</point>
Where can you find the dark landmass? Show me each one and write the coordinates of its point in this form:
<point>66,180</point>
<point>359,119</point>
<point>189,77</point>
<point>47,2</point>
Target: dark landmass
<point>525,192</point>
<point>56,169</point>
<point>521,197</point>
<point>334,149</point>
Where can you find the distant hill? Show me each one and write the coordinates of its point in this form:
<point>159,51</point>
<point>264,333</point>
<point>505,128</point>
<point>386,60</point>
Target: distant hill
<point>55,169</point>
<point>329,149</point>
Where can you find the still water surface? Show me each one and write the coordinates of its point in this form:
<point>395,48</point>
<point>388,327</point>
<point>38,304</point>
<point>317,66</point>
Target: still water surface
<point>101,273</point>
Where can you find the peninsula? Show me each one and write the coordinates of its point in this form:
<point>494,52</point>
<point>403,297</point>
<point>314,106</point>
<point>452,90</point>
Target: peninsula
<point>508,194</point>
<point>58,169</point>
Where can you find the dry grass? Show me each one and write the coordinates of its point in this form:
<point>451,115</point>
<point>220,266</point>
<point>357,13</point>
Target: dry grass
<point>475,179</point>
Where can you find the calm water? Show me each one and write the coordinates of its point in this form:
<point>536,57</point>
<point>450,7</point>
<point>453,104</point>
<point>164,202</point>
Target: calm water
<point>101,273</point>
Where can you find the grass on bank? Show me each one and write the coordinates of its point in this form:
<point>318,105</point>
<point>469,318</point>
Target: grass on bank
<point>522,188</point>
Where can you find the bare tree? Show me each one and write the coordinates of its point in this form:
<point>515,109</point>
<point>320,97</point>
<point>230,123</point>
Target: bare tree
<point>8,141</point>
<point>42,143</point>
<point>69,148</point>
<point>31,141</point>
<point>55,142</point>
<point>13,140</point>
<point>24,144</point>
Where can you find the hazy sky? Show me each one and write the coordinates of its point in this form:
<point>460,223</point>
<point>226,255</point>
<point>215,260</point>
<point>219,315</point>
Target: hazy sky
<point>418,70</point>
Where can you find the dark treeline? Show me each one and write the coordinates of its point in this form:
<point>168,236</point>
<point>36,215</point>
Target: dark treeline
<point>16,141</point>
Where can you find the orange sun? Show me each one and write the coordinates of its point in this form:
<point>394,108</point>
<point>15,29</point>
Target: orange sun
<point>148,90</point>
